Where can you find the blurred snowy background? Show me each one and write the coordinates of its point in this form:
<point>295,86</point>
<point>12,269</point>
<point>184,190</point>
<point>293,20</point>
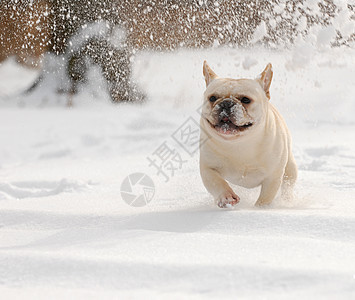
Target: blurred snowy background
<point>90,89</point>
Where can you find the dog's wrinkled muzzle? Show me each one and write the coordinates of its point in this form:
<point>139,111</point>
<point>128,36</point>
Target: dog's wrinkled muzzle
<point>230,117</point>
<point>226,106</point>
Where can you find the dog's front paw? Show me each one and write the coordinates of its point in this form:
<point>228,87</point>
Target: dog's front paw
<point>227,200</point>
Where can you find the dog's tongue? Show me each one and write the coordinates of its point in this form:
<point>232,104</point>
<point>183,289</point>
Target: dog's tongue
<point>225,128</point>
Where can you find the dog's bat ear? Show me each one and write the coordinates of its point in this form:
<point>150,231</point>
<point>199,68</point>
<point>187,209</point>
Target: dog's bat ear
<point>208,73</point>
<point>265,79</point>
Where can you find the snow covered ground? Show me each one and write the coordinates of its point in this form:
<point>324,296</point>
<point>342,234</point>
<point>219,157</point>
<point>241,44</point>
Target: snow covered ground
<point>65,230</point>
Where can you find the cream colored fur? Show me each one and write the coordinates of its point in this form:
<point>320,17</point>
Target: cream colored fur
<point>258,155</point>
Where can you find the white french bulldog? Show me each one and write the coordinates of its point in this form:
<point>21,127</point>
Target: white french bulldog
<point>247,141</point>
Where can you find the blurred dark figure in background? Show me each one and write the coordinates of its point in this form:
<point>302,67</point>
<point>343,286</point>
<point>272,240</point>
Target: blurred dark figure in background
<point>31,28</point>
<point>157,25</point>
<point>114,63</point>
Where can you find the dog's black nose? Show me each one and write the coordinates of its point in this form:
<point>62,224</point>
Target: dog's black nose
<point>227,104</point>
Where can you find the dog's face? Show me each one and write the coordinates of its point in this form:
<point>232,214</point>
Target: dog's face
<point>234,107</point>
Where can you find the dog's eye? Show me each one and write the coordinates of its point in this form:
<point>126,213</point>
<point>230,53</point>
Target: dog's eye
<point>213,98</point>
<point>245,100</point>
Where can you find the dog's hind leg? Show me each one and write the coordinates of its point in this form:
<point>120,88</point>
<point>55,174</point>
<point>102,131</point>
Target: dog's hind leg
<point>289,179</point>
<point>269,189</point>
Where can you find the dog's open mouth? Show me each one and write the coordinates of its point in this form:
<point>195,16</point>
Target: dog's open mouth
<point>229,128</point>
